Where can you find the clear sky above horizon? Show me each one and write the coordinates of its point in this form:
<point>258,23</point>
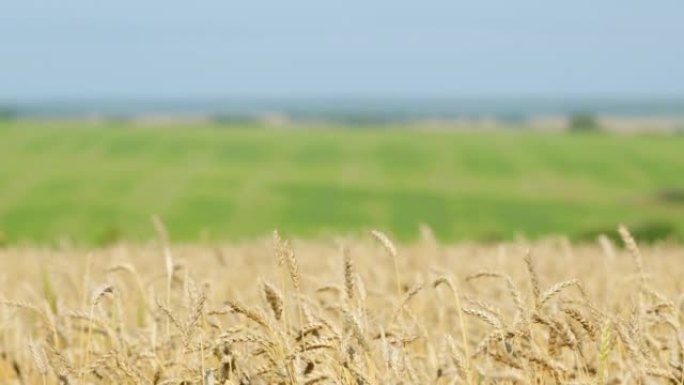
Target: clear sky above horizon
<point>314,48</point>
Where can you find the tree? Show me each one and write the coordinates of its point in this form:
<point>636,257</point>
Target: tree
<point>583,122</point>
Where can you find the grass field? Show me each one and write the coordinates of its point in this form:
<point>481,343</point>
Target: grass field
<point>100,182</point>
<point>309,312</point>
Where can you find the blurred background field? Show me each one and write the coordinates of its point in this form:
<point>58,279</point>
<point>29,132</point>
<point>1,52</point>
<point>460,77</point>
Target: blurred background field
<point>99,182</point>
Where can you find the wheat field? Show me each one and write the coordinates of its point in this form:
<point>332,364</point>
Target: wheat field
<point>343,311</point>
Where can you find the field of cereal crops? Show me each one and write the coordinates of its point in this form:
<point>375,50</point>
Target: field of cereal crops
<point>343,310</point>
<point>99,182</point>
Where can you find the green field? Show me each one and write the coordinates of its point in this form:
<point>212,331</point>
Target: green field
<point>96,183</point>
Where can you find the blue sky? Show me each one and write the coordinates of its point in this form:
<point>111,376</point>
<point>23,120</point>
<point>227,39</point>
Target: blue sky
<point>352,48</point>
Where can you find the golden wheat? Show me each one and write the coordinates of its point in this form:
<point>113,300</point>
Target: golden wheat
<point>173,314</point>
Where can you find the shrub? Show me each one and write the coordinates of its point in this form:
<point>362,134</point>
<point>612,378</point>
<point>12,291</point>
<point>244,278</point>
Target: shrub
<point>7,113</point>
